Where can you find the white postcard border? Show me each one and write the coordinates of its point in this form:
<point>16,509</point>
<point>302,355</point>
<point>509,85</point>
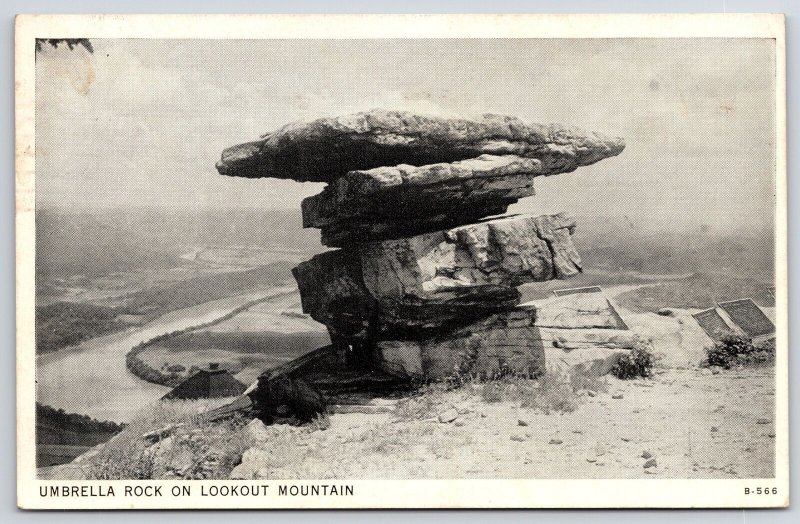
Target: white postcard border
<point>451,493</point>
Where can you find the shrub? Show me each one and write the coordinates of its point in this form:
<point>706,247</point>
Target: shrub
<point>497,390</point>
<point>464,371</point>
<point>734,350</point>
<point>638,363</point>
<point>554,390</point>
<point>506,388</point>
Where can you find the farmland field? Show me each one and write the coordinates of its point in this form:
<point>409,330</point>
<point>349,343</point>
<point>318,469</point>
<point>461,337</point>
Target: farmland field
<point>282,314</point>
<point>236,352</point>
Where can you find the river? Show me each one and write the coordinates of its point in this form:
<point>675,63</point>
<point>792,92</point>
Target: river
<point>92,378</point>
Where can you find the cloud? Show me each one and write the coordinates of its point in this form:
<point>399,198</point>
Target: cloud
<point>697,115</point>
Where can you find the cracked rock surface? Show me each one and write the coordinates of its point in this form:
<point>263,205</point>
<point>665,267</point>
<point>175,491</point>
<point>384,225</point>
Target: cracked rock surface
<point>470,261</point>
<point>435,279</point>
<point>332,291</point>
<point>577,311</point>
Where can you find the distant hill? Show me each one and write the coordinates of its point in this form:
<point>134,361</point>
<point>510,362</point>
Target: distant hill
<point>77,246</point>
<point>261,227</point>
<point>61,436</point>
<point>82,244</point>
<point>59,427</point>
<point>126,239</point>
<point>616,244</point>
<point>99,242</point>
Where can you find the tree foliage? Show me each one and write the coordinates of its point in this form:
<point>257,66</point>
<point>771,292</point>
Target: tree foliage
<point>46,415</point>
<point>65,324</point>
<point>71,43</point>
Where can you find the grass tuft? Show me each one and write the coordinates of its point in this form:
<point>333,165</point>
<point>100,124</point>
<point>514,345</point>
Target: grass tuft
<point>427,402</point>
<point>553,391</point>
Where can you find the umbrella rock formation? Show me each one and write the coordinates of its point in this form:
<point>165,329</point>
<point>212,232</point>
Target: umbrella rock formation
<point>425,284</point>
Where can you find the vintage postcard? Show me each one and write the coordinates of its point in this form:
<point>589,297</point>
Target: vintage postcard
<point>429,261</point>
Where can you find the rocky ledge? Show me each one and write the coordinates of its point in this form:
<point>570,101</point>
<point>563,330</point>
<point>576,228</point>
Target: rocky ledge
<point>391,202</point>
<point>327,148</point>
<point>426,281</point>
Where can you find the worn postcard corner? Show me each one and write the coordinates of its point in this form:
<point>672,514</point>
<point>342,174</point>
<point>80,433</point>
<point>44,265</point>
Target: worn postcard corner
<point>401,261</point>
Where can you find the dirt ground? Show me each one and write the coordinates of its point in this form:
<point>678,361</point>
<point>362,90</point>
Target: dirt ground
<point>692,422</point>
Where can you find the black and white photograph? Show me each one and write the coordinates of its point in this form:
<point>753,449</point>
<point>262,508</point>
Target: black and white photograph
<point>278,268</point>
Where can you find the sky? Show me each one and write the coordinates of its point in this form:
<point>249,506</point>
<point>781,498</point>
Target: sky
<point>142,122</point>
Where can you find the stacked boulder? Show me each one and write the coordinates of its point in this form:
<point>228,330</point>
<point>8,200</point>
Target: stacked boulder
<point>423,282</point>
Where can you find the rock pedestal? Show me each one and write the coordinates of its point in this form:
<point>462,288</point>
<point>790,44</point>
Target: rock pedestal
<point>424,284</point>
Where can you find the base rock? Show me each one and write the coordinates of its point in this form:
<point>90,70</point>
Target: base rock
<point>579,310</point>
<point>594,361</point>
<point>582,333</point>
<point>502,342</point>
